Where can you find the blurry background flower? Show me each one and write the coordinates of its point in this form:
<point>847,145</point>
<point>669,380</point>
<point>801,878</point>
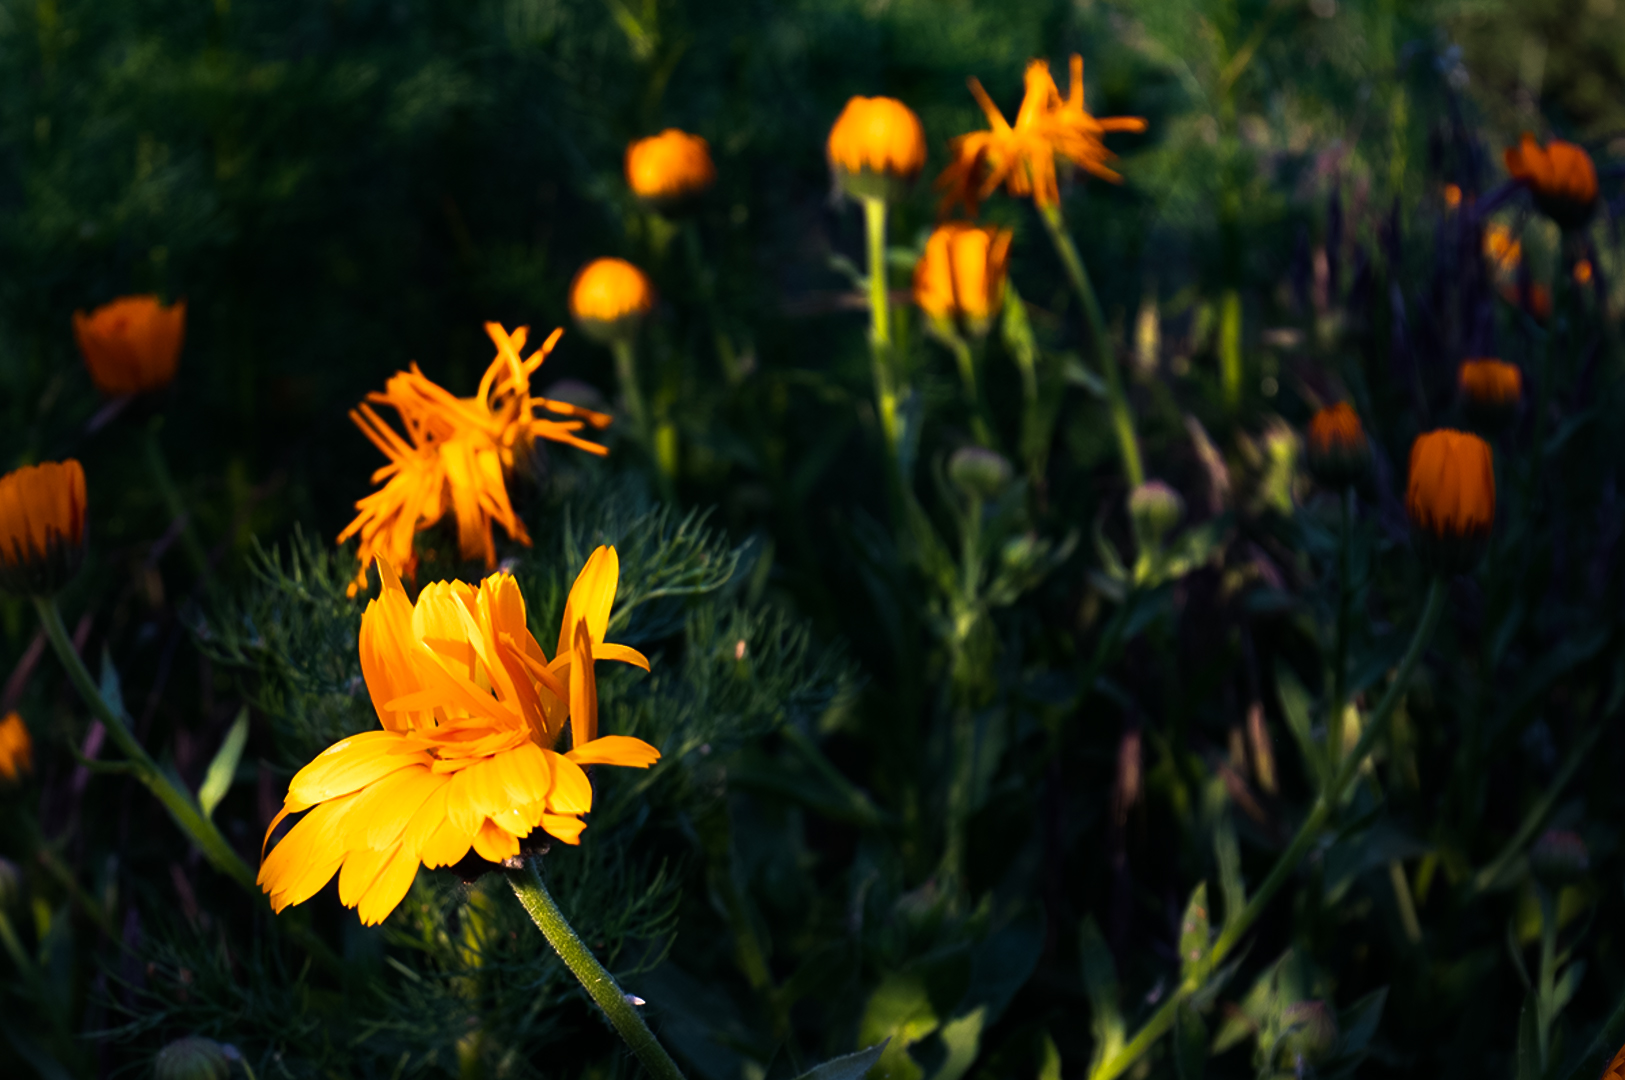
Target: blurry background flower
<point>1559,175</point>
<point>132,345</point>
<point>669,169</point>
<point>876,147</point>
<point>42,527</point>
<point>960,279</point>
<point>1337,451</point>
<point>16,748</point>
<point>609,299</point>
<point>1450,499</point>
<point>1490,392</point>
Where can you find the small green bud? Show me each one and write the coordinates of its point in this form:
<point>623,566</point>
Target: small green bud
<point>979,473</point>
<point>1559,858</point>
<point>1155,508</point>
<point>194,1058</point>
<point>1311,1033</point>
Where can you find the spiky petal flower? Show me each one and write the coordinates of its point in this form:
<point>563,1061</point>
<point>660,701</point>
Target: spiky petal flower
<point>471,713</point>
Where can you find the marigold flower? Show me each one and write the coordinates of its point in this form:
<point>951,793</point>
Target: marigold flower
<point>457,454</point>
<point>1490,391</point>
<point>609,298</point>
<point>1502,248</point>
<point>131,345</point>
<point>961,276</point>
<point>1337,451</point>
<point>669,168</point>
<point>876,147</point>
<point>1560,176</point>
<point>16,748</point>
<point>471,712</point>
<point>1616,1067</point>
<point>1450,498</point>
<point>1452,196</point>
<point>1022,156</point>
<point>42,527</point>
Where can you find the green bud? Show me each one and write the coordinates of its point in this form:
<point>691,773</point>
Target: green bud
<point>979,473</point>
<point>1155,508</point>
<point>194,1058</point>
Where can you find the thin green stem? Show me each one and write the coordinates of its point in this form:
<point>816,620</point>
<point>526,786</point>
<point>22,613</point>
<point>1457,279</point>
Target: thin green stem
<point>965,359</point>
<point>532,892</point>
<point>1307,836</point>
<point>880,343</point>
<point>1345,597</point>
<point>173,502</point>
<point>1545,992</point>
<point>626,371</point>
<point>1122,414</point>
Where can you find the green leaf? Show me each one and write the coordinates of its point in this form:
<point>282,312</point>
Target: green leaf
<point>223,769</point>
<point>1359,1022</point>
<point>110,685</point>
<point>1050,1068</point>
<point>1190,1044</point>
<point>1195,934</point>
<point>847,1067</point>
<point>1227,852</point>
<point>1295,707</point>
<point>963,1038</point>
<point>1100,980</point>
<point>1526,1060</point>
<point>899,1012</point>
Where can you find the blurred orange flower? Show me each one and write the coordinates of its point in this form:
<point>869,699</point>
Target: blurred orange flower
<point>1502,248</point>
<point>131,345</point>
<point>669,167</point>
<point>471,712</point>
<point>1560,175</point>
<point>1450,498</point>
<point>961,276</point>
<point>609,297</point>
<point>1490,391</point>
<point>42,527</point>
<point>16,748</point>
<point>1337,450</point>
<point>876,143</point>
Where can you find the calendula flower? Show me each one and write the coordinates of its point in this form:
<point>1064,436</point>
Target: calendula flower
<point>42,527</point>
<point>131,345</point>
<point>1616,1067</point>
<point>1337,450</point>
<point>1559,175</point>
<point>471,713</point>
<point>1452,196</point>
<point>1502,248</point>
<point>667,169</point>
<point>457,454</point>
<point>961,276</point>
<point>16,748</point>
<point>1021,156</point>
<point>1450,498</point>
<point>1490,391</point>
<point>876,148</point>
<point>1583,272</point>
<point>609,299</point>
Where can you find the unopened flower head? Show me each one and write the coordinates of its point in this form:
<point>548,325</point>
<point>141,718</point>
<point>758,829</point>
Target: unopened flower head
<point>1154,509</point>
<point>1490,392</point>
<point>980,473</point>
<point>457,454</point>
<point>132,345</point>
<point>609,299</point>
<point>42,527</point>
<point>668,170</point>
<point>960,280</point>
<point>876,148</point>
<point>471,713</point>
<point>1338,452</point>
<point>1560,176</point>
<point>16,748</point>
<point>1450,499</point>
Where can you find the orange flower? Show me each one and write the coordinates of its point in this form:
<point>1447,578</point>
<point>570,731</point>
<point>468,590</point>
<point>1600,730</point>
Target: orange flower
<point>609,298</point>
<point>961,276</point>
<point>668,168</point>
<point>16,748</point>
<point>876,146</point>
<point>1022,156</point>
<point>1452,196</point>
<point>1583,272</point>
<point>1490,392</point>
<point>1450,498</point>
<point>1560,176</point>
<point>457,455</point>
<point>471,712</point>
<point>1502,248</point>
<point>42,527</point>
<point>1535,301</point>
<point>131,345</point>
<point>1616,1067</point>
<point>1338,451</point>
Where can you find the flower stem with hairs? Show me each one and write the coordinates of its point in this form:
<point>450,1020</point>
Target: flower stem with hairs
<point>874,227</point>
<point>532,892</point>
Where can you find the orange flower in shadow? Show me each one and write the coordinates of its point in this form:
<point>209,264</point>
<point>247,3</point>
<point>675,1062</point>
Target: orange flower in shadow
<point>1450,498</point>
<point>16,748</point>
<point>132,345</point>
<point>1559,175</point>
<point>1337,449</point>
<point>42,527</point>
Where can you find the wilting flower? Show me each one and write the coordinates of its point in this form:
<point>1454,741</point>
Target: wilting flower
<point>131,345</point>
<point>1338,452</point>
<point>42,527</point>
<point>1022,156</point>
<point>457,454</point>
<point>471,712</point>
<point>1560,176</point>
<point>669,168</point>
<point>16,748</point>
<point>1490,391</point>
<point>876,147</point>
<point>609,298</point>
<point>961,276</point>
<point>1450,498</point>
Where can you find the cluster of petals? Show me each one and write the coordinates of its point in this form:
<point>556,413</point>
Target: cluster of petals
<point>471,711</point>
<point>1336,428</point>
<point>877,135</point>
<point>456,454</point>
<point>1490,381</point>
<point>1021,156</point>
<point>132,345</point>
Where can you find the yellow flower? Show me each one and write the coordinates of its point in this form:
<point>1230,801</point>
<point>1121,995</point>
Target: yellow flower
<point>962,274</point>
<point>471,712</point>
<point>457,454</point>
<point>131,345</point>
<point>1022,156</point>
<point>16,748</point>
<point>42,527</point>
<point>668,168</point>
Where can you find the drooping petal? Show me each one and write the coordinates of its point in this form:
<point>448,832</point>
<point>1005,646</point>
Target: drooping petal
<point>572,791</point>
<point>615,750</point>
<point>389,888</point>
<point>564,827</point>
<point>591,597</point>
<point>495,843</point>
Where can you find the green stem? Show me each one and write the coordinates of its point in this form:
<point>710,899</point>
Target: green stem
<point>874,228</point>
<point>1308,834</point>
<point>705,282</point>
<point>965,358</point>
<point>1545,993</point>
<point>173,501</point>
<point>626,371</point>
<point>1122,413</point>
<point>532,892</point>
<point>1334,725</point>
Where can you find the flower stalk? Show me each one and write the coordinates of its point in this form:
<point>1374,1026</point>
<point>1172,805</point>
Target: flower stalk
<point>880,343</point>
<point>531,890</point>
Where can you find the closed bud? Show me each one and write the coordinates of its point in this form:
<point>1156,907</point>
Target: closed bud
<point>193,1058</point>
<point>42,527</point>
<point>1311,1033</point>
<point>1338,453</point>
<point>1154,508</point>
<point>132,345</point>
<point>961,277</point>
<point>670,171</point>
<point>1559,858</point>
<point>876,148</point>
<point>609,299</point>
<point>1490,392</point>
<point>979,473</point>
<point>1450,499</point>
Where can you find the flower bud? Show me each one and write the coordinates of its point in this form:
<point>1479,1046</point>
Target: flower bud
<point>1155,508</point>
<point>670,170</point>
<point>876,148</point>
<point>193,1058</point>
<point>609,299</point>
<point>979,473</point>
<point>16,748</point>
<point>1559,858</point>
<point>131,345</point>
<point>1311,1033</point>
<point>961,277</point>
<point>1490,392</point>
<point>42,527</point>
<point>1338,452</point>
<point>1559,175</point>
<point>1450,499</point>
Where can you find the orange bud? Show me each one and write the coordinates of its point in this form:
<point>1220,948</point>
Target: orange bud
<point>42,527</point>
<point>1583,272</point>
<point>609,297</point>
<point>1490,391</point>
<point>876,145</point>
<point>961,276</point>
<point>1452,196</point>
<point>1450,498</point>
<point>16,748</point>
<point>669,168</point>
<point>1560,176</point>
<point>131,345</point>
<point>1338,452</point>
